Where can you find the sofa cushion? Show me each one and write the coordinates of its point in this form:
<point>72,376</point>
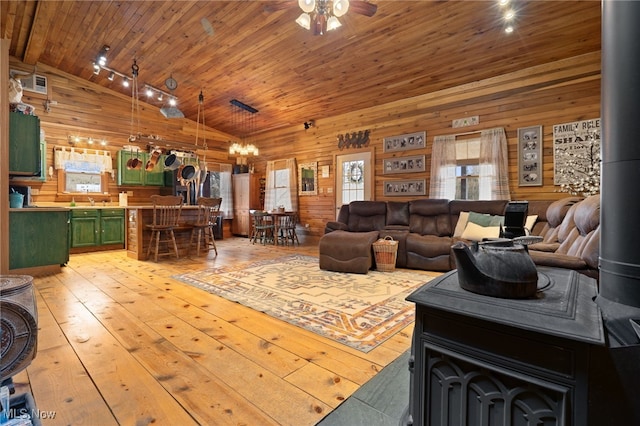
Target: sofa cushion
<point>485,219</point>
<point>430,217</point>
<point>367,216</point>
<point>495,207</point>
<point>461,224</point>
<point>397,214</point>
<point>475,232</point>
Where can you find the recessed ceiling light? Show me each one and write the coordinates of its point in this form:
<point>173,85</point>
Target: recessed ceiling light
<point>508,29</point>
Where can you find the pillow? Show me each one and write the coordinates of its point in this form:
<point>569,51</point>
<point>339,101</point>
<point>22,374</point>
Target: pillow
<point>475,232</point>
<point>485,219</point>
<point>462,223</point>
<point>531,221</point>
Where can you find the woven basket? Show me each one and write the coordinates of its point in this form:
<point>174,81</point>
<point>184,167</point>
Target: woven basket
<point>386,252</point>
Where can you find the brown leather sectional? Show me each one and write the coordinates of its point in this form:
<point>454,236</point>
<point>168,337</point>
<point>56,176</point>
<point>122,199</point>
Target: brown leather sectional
<point>425,230</point>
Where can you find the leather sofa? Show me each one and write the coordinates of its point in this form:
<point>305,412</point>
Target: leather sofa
<point>427,228</point>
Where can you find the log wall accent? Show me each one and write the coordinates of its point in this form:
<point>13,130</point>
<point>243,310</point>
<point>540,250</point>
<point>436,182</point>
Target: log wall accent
<point>554,93</point>
<point>562,91</point>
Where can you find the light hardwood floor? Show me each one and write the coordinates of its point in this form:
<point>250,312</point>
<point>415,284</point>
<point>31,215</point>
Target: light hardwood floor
<point>121,342</point>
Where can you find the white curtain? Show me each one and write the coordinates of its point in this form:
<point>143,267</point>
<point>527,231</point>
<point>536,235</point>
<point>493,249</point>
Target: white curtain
<point>226,191</point>
<point>99,161</point>
<point>281,185</point>
<point>443,168</point>
<point>494,170</point>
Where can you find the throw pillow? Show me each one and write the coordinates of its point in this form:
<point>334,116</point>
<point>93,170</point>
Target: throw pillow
<point>531,221</point>
<point>475,232</point>
<point>462,223</point>
<point>485,219</point>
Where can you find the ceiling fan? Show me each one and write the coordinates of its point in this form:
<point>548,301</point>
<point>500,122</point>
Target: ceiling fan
<point>321,16</point>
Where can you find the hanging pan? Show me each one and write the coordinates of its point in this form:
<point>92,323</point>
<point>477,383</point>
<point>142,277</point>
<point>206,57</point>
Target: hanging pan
<point>151,163</point>
<point>188,173</point>
<point>172,162</point>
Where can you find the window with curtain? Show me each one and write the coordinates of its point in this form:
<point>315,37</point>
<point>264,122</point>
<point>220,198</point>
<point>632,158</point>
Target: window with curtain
<point>470,168</point>
<point>281,186</point>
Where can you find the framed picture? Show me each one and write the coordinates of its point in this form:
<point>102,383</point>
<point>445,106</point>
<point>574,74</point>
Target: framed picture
<point>404,188</point>
<point>576,152</point>
<point>530,156</point>
<point>307,174</point>
<point>405,142</point>
<point>412,164</point>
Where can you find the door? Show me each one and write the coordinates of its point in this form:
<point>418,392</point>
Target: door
<point>354,178</point>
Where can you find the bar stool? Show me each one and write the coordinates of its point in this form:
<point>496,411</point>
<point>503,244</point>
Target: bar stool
<point>166,214</point>
<point>208,210</point>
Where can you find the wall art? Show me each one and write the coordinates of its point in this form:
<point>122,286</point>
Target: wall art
<point>576,153</point>
<point>307,182</point>
<point>411,164</point>
<point>405,142</point>
<point>406,188</point>
<point>530,156</point>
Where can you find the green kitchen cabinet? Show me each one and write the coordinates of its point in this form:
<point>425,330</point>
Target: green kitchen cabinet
<point>96,227</point>
<point>154,177</point>
<point>111,226</point>
<point>24,144</point>
<point>140,176</point>
<point>38,237</point>
<point>85,227</point>
<point>128,176</point>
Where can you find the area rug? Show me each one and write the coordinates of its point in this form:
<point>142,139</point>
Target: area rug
<point>358,310</point>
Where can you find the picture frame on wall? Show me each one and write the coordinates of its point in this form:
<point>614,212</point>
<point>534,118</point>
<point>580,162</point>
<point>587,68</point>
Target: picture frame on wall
<point>530,156</point>
<point>307,179</point>
<point>404,188</point>
<point>409,164</point>
<point>405,142</point>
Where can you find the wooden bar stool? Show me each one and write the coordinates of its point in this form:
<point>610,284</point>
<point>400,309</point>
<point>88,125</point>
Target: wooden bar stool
<point>208,211</point>
<point>166,214</point>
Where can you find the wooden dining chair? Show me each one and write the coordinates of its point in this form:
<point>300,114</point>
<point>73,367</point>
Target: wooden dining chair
<point>263,227</point>
<point>208,211</point>
<point>288,227</point>
<point>166,215</point>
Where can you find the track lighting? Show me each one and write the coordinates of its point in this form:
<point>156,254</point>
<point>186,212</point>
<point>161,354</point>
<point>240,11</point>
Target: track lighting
<point>112,75</point>
<point>102,56</point>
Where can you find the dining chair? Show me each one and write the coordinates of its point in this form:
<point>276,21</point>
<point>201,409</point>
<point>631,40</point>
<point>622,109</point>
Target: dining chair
<point>166,215</point>
<point>288,227</point>
<point>208,211</point>
<point>263,227</point>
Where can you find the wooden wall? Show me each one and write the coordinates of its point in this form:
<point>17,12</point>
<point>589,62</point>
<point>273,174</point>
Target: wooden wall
<point>554,93</point>
<point>87,110</point>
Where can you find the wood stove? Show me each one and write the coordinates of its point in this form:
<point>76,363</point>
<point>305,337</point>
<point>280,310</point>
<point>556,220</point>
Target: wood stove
<point>480,360</point>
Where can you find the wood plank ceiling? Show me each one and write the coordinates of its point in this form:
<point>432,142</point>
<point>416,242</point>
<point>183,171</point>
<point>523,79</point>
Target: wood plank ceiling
<point>255,52</point>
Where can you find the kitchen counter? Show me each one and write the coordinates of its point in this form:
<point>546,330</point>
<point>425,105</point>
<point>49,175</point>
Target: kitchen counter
<point>39,209</point>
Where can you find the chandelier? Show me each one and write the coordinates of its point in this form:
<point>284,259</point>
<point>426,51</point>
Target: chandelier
<point>244,120</point>
<point>321,15</point>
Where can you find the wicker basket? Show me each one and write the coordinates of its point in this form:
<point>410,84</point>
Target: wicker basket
<point>386,251</point>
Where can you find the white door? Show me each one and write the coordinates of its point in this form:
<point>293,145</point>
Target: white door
<point>354,178</point>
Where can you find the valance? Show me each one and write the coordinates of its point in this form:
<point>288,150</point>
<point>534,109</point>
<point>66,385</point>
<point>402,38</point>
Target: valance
<point>81,160</point>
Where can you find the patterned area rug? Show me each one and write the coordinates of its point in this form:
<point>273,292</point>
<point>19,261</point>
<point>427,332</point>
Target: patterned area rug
<point>360,311</point>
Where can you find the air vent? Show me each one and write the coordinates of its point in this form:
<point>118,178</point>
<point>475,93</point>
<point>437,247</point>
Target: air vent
<point>32,82</point>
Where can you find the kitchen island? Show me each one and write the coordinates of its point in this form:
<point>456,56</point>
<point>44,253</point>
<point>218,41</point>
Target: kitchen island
<point>138,236</point>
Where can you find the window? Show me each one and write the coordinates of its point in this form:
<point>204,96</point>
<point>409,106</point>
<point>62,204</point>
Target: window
<point>220,187</point>
<point>352,181</point>
<point>468,169</point>
<point>281,185</point>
